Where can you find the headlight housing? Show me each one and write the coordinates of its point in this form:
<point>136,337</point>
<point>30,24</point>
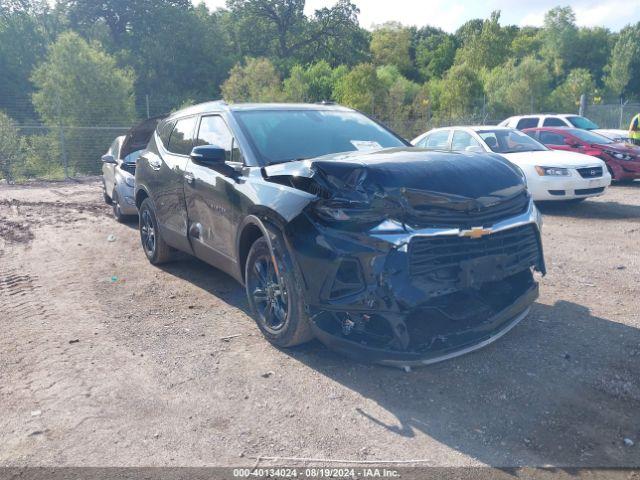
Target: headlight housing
<point>619,155</point>
<point>552,171</point>
<point>130,181</point>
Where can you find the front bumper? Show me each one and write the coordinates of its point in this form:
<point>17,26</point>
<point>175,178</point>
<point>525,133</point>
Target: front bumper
<point>373,295</point>
<point>544,188</point>
<point>126,196</point>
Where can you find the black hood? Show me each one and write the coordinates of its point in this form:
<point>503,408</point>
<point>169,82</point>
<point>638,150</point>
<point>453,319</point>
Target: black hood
<point>420,183</point>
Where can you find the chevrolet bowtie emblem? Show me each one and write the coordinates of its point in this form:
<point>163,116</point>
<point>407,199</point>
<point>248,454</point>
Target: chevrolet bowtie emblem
<point>476,232</point>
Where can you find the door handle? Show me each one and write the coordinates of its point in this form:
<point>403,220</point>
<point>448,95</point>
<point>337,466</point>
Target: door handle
<point>189,178</point>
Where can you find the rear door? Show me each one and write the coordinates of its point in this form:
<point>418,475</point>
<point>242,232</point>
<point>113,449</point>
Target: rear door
<point>109,169</point>
<point>169,194</point>
<point>213,203</point>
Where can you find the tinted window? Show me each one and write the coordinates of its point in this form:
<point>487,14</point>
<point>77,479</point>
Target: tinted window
<point>510,141</point>
<point>581,122</point>
<point>214,131</point>
<point>285,135</point>
<point>550,138</point>
<point>181,140</point>
<point>164,132</point>
<point>462,140</point>
<point>438,140</point>
<point>529,122</point>
<point>553,122</point>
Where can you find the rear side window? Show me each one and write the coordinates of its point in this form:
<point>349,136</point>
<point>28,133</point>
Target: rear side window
<point>436,141</point>
<point>550,138</point>
<point>181,139</point>
<point>554,122</point>
<point>529,122</point>
<point>462,140</point>
<point>164,132</point>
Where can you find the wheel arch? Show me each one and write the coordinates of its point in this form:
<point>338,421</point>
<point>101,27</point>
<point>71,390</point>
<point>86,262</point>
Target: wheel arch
<point>141,194</point>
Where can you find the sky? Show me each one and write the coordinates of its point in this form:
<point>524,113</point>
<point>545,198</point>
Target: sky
<point>450,14</point>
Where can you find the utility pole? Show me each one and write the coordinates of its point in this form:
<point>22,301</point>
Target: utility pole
<point>63,149</point>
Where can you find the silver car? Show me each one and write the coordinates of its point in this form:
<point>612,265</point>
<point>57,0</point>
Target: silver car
<point>119,168</point>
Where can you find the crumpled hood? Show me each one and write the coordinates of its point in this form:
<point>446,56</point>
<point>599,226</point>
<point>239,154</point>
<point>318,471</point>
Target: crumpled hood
<point>412,177</point>
<point>612,133</point>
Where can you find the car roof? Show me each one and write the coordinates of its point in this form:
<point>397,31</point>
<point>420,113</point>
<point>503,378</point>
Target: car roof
<point>221,105</point>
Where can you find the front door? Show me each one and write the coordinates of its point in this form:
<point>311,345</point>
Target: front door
<point>213,203</point>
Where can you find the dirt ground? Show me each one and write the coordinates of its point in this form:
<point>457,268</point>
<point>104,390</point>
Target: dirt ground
<point>106,360</point>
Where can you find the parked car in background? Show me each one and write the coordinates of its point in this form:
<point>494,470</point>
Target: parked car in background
<point>522,122</point>
<point>622,159</point>
<point>341,230</point>
<point>119,168</point>
<point>550,174</point>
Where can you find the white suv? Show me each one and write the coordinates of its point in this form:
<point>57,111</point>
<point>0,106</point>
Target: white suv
<point>562,120</point>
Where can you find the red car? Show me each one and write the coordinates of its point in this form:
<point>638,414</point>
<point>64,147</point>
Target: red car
<point>622,159</point>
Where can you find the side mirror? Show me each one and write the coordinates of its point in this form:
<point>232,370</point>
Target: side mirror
<point>108,158</point>
<point>208,155</point>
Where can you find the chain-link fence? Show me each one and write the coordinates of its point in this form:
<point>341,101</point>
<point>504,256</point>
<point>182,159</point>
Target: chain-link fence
<point>57,152</point>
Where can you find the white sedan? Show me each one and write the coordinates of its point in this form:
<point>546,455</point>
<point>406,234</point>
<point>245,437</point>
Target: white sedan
<point>550,174</point>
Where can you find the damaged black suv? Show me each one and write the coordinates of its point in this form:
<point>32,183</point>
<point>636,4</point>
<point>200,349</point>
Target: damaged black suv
<point>341,230</point>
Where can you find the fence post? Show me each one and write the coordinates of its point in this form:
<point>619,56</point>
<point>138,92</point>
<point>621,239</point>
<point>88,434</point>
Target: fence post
<point>63,149</point>
<point>583,105</point>
<point>147,101</point>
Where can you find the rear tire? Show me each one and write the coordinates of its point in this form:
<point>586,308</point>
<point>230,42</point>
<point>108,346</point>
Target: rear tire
<point>275,297</point>
<point>154,246</point>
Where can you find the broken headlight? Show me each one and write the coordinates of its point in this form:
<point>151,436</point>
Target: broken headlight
<point>336,211</point>
<point>619,156</point>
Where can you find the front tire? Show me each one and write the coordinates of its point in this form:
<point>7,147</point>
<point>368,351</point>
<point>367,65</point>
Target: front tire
<point>154,246</point>
<point>117,211</point>
<point>275,297</point>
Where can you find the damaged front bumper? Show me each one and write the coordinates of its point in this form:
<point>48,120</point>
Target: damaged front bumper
<point>400,297</point>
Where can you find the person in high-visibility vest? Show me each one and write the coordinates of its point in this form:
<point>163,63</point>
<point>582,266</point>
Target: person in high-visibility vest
<point>634,130</point>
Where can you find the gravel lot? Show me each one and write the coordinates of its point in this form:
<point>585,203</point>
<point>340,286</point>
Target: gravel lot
<point>108,361</point>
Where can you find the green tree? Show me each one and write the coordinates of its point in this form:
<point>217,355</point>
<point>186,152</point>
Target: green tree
<point>312,84</point>
<point>487,49</point>
<point>11,153</point>
<point>360,89</point>
<point>79,85</point>
<point>566,96</point>
<point>280,29</point>
<point>391,45</point>
<point>593,50</point>
<point>435,55</point>
<point>461,92</point>
<point>623,70</point>
<point>514,88</point>
<point>559,39</point>
<point>256,80</point>
<point>526,42</point>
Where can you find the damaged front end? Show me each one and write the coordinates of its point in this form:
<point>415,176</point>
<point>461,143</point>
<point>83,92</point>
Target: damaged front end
<point>412,257</point>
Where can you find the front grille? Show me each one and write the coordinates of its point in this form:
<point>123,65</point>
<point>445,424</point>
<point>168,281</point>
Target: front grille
<point>431,255</point>
<point>485,217</point>
<point>590,172</point>
<point>128,167</point>
<point>589,191</point>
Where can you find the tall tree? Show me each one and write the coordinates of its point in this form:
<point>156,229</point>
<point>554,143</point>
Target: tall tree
<point>80,85</point>
<point>391,45</point>
<point>10,147</point>
<point>488,48</point>
<point>256,80</point>
<point>624,66</point>
<point>360,89</point>
<point>559,37</point>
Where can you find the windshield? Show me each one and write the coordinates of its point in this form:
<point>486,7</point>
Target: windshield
<point>590,137</point>
<point>510,141</point>
<point>581,122</point>
<point>286,135</point>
